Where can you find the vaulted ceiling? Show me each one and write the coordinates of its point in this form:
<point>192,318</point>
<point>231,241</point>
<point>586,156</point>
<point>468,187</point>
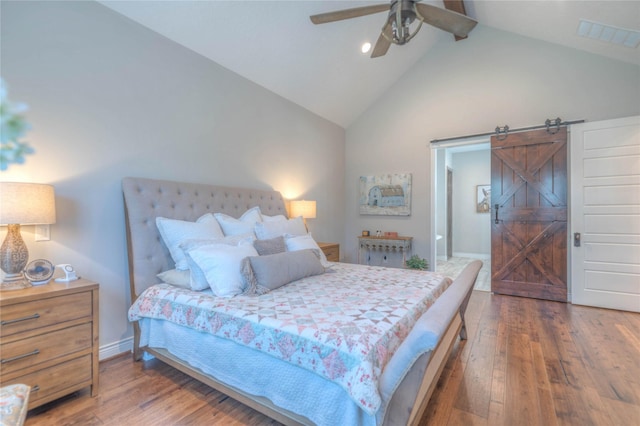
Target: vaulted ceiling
<point>320,67</point>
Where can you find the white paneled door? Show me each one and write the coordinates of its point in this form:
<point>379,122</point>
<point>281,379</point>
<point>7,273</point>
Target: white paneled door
<point>605,214</point>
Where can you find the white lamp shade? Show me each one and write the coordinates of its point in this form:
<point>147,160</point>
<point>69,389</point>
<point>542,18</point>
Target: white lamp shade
<point>27,203</point>
<point>304,208</point>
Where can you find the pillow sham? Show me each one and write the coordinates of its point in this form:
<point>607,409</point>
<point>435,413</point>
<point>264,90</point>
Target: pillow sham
<point>220,264</point>
<point>276,218</point>
<point>302,242</point>
<point>266,230</point>
<point>232,240</point>
<point>265,273</point>
<point>270,246</point>
<point>197,278</point>
<point>176,277</point>
<point>174,232</point>
<point>243,225</point>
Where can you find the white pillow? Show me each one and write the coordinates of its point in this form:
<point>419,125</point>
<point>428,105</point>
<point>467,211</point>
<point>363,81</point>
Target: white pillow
<point>276,218</point>
<point>267,230</point>
<point>174,232</point>
<point>197,278</point>
<point>242,226</point>
<point>232,240</point>
<point>220,264</point>
<point>302,242</point>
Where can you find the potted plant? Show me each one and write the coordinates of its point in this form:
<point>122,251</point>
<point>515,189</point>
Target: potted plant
<point>416,262</point>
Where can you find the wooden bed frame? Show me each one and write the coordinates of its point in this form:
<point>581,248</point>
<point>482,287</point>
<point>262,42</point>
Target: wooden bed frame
<point>146,199</point>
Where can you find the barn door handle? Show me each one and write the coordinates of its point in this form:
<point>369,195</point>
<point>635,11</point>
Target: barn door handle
<point>497,221</point>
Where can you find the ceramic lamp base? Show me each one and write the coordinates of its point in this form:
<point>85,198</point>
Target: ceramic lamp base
<point>13,259</point>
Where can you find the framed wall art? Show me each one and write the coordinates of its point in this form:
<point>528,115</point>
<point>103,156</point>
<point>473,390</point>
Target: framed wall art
<point>388,194</point>
<point>483,198</point>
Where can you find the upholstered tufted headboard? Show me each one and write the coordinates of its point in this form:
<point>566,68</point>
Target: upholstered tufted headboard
<point>146,199</point>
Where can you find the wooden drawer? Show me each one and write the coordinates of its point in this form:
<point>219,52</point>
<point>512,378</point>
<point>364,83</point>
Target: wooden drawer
<point>44,347</point>
<point>333,254</point>
<point>56,381</point>
<point>331,251</point>
<point>45,312</point>
<point>49,339</point>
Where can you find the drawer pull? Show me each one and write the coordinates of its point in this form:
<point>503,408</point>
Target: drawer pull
<point>30,317</point>
<point>17,357</point>
<point>35,388</point>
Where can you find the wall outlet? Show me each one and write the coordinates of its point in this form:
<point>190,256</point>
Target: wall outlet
<point>43,233</point>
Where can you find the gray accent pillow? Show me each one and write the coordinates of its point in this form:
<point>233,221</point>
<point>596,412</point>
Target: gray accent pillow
<point>265,273</point>
<point>270,246</point>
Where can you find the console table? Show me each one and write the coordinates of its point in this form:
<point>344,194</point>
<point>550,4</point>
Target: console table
<point>384,251</point>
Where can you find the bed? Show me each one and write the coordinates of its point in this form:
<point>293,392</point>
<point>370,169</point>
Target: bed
<point>378,366</point>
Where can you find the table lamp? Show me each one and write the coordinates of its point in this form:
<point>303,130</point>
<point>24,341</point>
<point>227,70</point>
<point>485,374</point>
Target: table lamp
<point>304,208</point>
<point>21,204</point>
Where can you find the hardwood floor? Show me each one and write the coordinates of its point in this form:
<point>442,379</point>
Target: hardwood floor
<point>527,362</point>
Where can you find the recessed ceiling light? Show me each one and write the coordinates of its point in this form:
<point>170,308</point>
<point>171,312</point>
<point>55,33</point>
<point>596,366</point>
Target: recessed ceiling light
<point>366,47</point>
<point>609,34</point>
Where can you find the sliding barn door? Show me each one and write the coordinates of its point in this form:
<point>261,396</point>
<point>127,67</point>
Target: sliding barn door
<point>529,214</point>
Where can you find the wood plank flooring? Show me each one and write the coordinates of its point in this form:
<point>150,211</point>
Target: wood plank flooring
<point>527,362</point>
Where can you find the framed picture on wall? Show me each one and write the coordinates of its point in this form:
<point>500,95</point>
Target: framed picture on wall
<point>388,194</point>
<point>483,198</point>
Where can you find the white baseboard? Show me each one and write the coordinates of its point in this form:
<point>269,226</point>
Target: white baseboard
<point>472,255</point>
<point>116,348</point>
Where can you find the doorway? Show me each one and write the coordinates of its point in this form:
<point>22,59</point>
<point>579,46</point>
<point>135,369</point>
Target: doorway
<point>461,233</point>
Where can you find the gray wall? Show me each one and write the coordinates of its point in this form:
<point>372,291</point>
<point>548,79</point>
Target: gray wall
<point>108,98</point>
<point>492,78</point>
<point>471,230</point>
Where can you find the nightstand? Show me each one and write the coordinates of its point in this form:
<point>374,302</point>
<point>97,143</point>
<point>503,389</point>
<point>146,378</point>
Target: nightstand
<point>49,339</point>
<point>331,251</point>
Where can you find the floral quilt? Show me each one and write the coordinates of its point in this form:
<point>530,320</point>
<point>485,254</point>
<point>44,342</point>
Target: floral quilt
<point>343,325</point>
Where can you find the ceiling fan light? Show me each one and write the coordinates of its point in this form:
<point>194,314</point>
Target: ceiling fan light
<point>401,35</point>
<point>403,14</point>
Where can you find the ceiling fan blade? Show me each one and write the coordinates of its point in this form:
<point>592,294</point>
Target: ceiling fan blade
<point>447,20</point>
<point>383,43</point>
<point>456,6</point>
<point>355,12</point>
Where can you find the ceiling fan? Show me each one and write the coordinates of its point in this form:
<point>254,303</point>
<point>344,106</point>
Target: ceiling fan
<point>402,13</point>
